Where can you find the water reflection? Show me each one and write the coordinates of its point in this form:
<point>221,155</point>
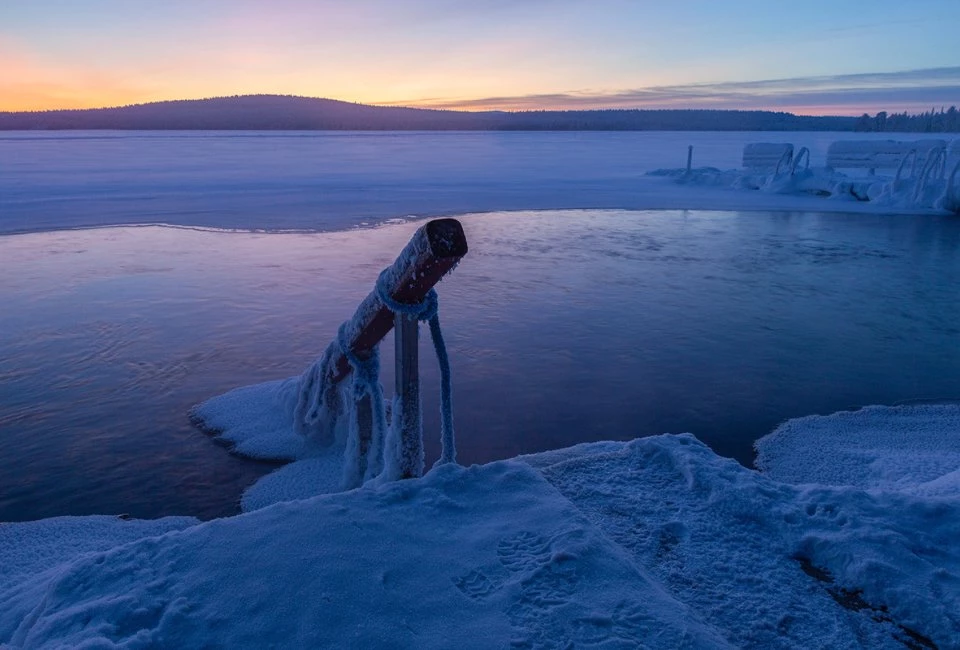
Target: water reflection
<point>563,327</point>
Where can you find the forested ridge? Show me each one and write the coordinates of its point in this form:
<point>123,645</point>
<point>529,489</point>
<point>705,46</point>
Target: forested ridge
<point>282,112</point>
<point>944,121</point>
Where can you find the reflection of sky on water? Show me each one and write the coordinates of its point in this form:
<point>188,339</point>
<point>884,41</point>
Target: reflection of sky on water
<point>563,328</point>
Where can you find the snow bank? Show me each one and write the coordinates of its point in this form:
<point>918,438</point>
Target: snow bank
<point>910,449</point>
<point>30,548</point>
<point>770,564</point>
<point>301,479</point>
<point>764,562</point>
<point>656,543</point>
<point>483,557</point>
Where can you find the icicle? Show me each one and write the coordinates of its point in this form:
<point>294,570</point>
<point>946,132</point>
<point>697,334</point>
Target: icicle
<point>357,465</point>
<point>318,402</point>
<point>935,159</point>
<point>393,461</point>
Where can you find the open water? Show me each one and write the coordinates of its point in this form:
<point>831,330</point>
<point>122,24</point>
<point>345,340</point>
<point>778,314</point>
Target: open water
<point>563,327</point>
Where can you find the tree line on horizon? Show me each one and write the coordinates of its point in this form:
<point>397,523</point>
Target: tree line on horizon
<point>946,121</point>
<point>276,112</point>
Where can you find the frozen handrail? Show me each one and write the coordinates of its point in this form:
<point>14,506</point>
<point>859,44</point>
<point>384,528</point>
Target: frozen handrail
<point>872,155</point>
<point>912,154</point>
<point>433,251</point>
<point>767,156</point>
<point>786,159</point>
<point>403,295</point>
<point>953,154</point>
<point>802,155</point>
<point>951,196</point>
<point>935,167</point>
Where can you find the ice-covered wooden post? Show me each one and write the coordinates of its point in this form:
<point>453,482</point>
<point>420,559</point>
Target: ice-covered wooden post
<point>432,252</point>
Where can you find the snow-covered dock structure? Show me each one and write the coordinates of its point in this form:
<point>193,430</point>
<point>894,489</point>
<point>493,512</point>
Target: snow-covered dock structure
<point>920,174</point>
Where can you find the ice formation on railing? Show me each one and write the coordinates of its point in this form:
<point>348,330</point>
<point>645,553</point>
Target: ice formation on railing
<point>950,201</point>
<point>332,419</point>
<point>322,406</point>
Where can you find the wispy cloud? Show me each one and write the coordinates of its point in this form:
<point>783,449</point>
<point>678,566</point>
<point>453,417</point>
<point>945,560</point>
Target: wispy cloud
<point>849,93</point>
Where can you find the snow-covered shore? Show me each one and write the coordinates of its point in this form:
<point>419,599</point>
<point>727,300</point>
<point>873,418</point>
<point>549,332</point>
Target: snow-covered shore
<point>652,543</point>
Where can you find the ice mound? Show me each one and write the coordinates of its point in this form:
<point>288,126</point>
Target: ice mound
<point>28,549</point>
<point>482,557</point>
<point>910,449</point>
<point>257,421</point>
<point>772,564</point>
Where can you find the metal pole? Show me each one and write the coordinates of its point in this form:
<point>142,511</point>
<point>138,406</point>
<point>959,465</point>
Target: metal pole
<point>408,391</point>
<point>364,415</point>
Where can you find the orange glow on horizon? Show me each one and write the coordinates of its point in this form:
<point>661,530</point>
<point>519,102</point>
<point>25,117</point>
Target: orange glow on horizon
<point>57,96</point>
<point>32,84</point>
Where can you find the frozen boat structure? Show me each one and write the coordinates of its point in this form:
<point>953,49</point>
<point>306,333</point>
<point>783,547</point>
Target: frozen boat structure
<point>913,174</point>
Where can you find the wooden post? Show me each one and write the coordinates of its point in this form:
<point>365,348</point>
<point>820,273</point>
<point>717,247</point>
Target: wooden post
<point>689,157</point>
<point>431,253</point>
<point>406,331</point>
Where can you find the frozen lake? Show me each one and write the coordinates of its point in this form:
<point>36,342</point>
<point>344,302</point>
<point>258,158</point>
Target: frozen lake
<point>335,180</point>
<point>563,327</point>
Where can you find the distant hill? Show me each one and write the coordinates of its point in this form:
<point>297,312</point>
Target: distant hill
<point>281,112</point>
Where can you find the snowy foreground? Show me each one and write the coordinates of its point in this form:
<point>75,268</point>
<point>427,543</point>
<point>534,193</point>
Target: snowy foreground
<point>656,542</point>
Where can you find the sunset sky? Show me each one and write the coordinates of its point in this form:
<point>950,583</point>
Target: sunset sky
<point>832,57</point>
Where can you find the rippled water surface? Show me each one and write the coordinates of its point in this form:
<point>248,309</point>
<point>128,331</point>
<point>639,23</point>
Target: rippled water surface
<point>564,327</point>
